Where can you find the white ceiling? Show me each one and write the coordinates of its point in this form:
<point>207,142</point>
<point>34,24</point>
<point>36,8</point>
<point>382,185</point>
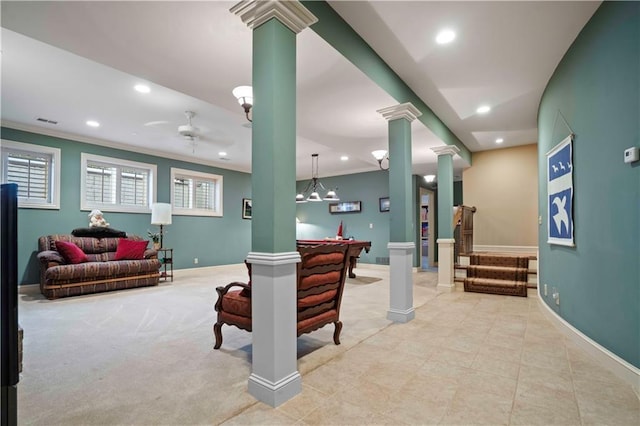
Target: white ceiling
<point>74,61</point>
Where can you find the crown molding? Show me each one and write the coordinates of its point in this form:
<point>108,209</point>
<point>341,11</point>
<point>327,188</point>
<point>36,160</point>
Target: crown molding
<point>116,145</point>
<point>405,110</point>
<point>446,150</point>
<point>290,13</point>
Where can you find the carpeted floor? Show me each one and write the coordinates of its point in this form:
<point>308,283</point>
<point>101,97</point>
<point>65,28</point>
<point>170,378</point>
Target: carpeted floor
<point>145,357</point>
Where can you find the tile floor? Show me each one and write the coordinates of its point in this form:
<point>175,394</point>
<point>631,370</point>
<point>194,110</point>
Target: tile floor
<point>145,357</point>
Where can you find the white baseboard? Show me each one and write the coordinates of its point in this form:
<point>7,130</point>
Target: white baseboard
<point>531,250</point>
<point>618,366</point>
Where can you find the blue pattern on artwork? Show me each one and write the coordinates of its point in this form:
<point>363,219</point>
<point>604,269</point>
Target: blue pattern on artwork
<point>560,163</point>
<point>560,217</point>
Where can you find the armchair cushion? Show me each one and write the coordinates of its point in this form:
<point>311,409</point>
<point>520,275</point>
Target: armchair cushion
<point>71,252</point>
<point>320,278</point>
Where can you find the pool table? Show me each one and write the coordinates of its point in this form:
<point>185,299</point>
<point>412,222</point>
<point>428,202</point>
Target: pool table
<point>355,248</point>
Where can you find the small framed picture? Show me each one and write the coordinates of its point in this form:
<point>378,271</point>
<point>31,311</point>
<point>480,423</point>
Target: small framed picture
<point>384,204</point>
<point>246,208</point>
<point>345,207</point>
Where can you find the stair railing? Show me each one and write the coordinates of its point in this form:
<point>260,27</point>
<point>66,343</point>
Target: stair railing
<point>463,231</point>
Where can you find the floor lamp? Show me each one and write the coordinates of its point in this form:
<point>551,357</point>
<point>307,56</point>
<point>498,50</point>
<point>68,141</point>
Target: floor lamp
<point>161,215</point>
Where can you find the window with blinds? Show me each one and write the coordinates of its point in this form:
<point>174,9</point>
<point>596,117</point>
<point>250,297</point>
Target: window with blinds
<point>36,171</point>
<point>117,185</point>
<point>196,193</point>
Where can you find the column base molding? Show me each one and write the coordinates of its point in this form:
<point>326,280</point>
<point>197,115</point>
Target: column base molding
<point>275,393</point>
<point>396,315</point>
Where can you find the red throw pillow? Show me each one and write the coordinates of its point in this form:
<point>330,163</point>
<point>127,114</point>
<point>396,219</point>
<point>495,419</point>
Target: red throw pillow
<point>130,249</point>
<point>71,252</point>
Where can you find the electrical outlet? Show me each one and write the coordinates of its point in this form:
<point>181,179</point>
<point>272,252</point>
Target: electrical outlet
<point>371,226</point>
<point>195,260</point>
<point>545,290</point>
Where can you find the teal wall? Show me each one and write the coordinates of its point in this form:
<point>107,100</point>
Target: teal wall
<point>596,87</point>
<point>318,223</point>
<point>213,240</point>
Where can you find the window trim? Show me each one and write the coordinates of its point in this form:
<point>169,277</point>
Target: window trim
<point>56,159</point>
<point>117,162</point>
<point>218,183</point>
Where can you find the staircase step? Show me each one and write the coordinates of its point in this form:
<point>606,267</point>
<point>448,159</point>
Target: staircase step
<point>499,260</point>
<point>498,272</point>
<point>493,286</point>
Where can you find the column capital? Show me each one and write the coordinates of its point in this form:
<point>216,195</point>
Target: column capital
<point>405,110</point>
<point>290,13</point>
<point>446,150</point>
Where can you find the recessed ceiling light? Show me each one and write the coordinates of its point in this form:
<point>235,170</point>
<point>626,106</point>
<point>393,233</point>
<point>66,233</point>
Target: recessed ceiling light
<point>483,109</point>
<point>222,154</point>
<point>499,140</point>
<point>445,36</point>
<point>344,158</point>
<point>93,123</point>
<point>142,88</point>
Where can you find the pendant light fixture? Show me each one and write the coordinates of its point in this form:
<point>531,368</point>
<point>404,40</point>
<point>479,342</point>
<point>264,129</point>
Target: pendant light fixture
<point>311,192</point>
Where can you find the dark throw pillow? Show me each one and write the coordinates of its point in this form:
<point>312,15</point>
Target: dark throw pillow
<point>98,232</point>
<point>71,252</point>
<point>130,249</point>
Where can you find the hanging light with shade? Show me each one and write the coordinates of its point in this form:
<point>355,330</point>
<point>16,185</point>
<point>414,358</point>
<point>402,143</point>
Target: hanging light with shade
<point>314,186</point>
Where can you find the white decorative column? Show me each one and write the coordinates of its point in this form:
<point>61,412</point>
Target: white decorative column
<point>401,282</point>
<point>274,377</point>
<point>445,239</point>
<point>401,229</point>
<point>274,374</point>
<point>446,276</point>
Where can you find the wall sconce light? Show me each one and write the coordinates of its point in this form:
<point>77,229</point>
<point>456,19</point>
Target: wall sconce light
<point>161,215</point>
<point>244,95</point>
<point>430,178</point>
<point>381,155</point>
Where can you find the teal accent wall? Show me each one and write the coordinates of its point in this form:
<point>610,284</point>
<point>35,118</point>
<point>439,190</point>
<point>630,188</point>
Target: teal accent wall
<point>335,31</point>
<point>213,240</point>
<point>596,87</point>
<point>318,223</point>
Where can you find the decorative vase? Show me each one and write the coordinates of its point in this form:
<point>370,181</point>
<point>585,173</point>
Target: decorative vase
<point>156,246</point>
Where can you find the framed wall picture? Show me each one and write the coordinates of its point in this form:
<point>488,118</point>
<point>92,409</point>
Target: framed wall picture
<point>560,193</point>
<point>246,208</point>
<point>384,204</point>
<point>345,207</point>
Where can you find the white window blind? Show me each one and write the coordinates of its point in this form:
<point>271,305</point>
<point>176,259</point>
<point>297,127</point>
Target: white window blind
<point>196,193</point>
<point>112,184</point>
<point>36,171</point>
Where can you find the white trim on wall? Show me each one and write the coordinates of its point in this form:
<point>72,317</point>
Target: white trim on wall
<point>618,366</point>
<point>532,250</point>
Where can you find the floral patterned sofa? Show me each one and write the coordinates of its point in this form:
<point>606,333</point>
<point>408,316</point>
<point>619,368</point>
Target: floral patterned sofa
<point>98,271</point>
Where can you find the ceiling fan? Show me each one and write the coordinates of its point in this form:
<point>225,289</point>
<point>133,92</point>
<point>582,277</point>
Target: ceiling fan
<point>188,131</point>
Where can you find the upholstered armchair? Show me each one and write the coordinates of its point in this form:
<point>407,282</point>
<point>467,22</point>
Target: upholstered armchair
<point>320,282</point>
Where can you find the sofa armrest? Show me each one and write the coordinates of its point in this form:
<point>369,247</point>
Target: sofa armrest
<point>48,257</point>
<point>150,254</point>
<point>224,290</point>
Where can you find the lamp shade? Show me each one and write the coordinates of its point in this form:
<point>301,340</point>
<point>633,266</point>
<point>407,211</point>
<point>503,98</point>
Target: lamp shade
<point>379,154</point>
<point>244,94</point>
<point>161,214</point>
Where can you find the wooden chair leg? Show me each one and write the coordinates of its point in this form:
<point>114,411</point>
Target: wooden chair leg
<point>336,332</point>
<point>217,331</point>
